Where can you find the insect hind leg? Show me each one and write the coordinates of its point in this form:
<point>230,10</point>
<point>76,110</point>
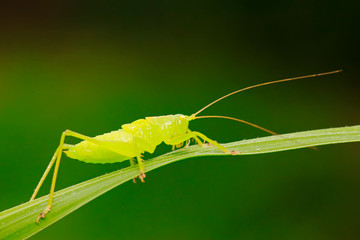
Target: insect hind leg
<point>58,154</point>
<point>56,159</point>
<point>48,168</point>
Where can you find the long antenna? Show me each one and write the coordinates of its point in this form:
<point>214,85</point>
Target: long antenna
<point>254,125</point>
<point>262,84</point>
<point>242,121</point>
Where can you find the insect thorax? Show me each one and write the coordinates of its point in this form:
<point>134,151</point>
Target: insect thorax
<point>151,131</point>
<point>170,126</point>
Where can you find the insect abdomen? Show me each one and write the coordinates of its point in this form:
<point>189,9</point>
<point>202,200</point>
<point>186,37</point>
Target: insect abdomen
<point>119,140</point>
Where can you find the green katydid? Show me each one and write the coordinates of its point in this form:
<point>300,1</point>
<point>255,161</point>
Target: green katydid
<point>140,136</point>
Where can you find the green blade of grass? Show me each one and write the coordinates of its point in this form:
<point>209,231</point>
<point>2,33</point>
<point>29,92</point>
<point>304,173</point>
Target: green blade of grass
<point>19,222</point>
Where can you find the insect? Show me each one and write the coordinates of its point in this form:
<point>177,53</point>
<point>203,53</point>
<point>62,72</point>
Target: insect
<point>143,135</point>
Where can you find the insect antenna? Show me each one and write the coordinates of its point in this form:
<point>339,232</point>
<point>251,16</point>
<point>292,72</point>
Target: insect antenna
<point>263,84</point>
<point>242,121</point>
<point>254,125</point>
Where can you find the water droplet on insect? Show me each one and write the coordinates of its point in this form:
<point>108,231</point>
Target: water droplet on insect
<point>258,149</point>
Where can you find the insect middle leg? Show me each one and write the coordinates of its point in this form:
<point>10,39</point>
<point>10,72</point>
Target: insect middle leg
<point>142,174</point>
<point>132,163</point>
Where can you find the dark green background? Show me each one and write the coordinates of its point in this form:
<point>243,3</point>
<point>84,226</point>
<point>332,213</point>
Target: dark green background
<point>91,67</point>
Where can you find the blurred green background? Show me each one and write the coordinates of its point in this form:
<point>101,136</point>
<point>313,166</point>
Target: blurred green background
<point>93,66</point>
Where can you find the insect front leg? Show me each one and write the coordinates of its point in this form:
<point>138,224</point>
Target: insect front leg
<point>197,136</point>
<point>182,138</point>
<point>198,141</point>
<point>216,144</point>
